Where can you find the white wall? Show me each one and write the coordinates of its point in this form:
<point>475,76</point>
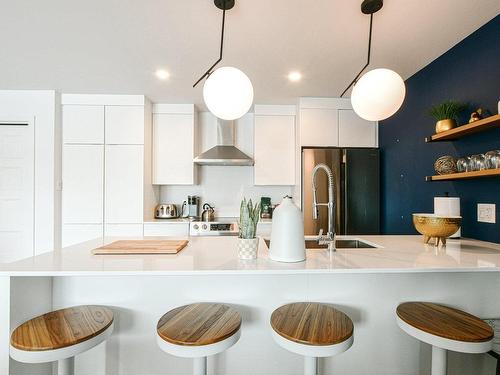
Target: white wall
<point>224,186</point>
<point>42,106</point>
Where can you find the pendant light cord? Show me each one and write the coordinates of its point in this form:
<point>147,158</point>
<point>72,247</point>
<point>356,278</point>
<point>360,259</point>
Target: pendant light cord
<point>368,58</point>
<point>209,71</point>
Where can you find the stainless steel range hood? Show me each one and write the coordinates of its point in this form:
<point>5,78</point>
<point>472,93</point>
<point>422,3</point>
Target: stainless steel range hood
<point>224,153</point>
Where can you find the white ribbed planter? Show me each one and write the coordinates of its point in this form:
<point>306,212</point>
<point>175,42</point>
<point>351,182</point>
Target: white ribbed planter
<point>247,248</point>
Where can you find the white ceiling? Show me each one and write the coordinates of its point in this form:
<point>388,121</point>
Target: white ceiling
<point>114,46</point>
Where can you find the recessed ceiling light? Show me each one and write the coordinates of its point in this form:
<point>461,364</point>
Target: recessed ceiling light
<point>294,76</point>
<point>162,74</point>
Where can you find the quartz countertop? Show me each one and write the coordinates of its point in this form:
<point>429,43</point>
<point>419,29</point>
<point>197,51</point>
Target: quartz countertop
<point>217,255</point>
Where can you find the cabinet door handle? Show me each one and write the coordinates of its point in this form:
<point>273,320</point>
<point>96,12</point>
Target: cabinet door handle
<point>13,123</point>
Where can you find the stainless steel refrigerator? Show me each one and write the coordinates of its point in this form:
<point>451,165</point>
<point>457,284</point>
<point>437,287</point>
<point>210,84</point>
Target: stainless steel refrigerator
<point>357,189</point>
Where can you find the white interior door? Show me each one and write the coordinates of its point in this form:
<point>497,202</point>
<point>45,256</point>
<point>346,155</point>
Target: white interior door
<point>17,159</point>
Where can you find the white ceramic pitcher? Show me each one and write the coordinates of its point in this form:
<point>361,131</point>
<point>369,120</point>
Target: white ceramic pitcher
<point>287,236</point>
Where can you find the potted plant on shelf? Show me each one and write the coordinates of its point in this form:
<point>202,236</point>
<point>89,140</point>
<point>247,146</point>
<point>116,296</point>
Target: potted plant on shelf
<point>247,240</point>
<point>446,115</point>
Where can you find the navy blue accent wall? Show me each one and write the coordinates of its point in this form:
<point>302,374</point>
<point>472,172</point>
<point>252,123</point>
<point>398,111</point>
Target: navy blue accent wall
<point>469,72</point>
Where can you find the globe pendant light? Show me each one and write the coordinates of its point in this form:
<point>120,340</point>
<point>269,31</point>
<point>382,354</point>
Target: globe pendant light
<point>379,93</point>
<point>228,92</point>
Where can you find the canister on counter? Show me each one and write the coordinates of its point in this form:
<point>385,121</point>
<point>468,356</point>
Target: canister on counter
<point>448,206</point>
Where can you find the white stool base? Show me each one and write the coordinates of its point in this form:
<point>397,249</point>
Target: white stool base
<point>311,353</point>
<point>200,366</point>
<point>66,366</point>
<point>310,365</point>
<point>438,361</point>
<point>198,353</point>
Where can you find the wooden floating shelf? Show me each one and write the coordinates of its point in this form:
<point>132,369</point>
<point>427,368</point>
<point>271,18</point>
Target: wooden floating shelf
<point>464,130</point>
<point>465,175</point>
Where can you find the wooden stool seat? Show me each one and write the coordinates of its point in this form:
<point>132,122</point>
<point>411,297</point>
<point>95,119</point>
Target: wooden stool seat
<point>445,322</point>
<point>312,324</point>
<point>445,328</point>
<point>60,335</point>
<point>61,328</point>
<point>312,330</point>
<point>197,331</point>
<point>199,324</point>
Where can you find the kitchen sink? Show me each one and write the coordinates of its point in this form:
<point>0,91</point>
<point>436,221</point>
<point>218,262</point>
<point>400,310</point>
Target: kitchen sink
<point>339,244</point>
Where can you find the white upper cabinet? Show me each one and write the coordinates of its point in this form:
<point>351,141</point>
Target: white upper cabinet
<point>274,145</point>
<point>83,124</point>
<point>124,170</point>
<point>331,122</point>
<point>355,131</point>
<point>82,172</point>
<point>173,144</point>
<point>319,127</point>
<point>124,125</point>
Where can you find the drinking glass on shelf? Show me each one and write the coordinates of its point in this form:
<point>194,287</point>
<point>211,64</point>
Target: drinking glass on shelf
<point>464,164</point>
<point>493,159</point>
<point>478,162</point>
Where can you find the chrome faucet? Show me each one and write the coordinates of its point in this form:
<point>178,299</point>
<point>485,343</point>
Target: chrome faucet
<point>329,239</point>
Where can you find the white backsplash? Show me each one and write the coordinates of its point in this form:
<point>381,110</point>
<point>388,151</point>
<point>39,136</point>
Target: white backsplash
<point>223,186</point>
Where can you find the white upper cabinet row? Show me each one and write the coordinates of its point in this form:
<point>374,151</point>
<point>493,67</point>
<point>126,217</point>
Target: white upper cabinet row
<point>174,145</point>
<point>323,122</point>
<point>331,122</point>
<point>99,124</point>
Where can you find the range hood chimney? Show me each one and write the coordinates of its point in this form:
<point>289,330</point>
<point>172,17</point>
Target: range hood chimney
<point>224,153</point>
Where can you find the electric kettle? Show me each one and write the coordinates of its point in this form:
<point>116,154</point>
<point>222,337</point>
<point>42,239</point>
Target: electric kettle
<point>208,213</point>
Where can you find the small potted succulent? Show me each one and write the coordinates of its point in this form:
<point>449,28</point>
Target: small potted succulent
<point>247,240</point>
<point>446,115</point>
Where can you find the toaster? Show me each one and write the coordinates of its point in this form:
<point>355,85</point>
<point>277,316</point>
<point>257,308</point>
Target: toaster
<point>166,211</point>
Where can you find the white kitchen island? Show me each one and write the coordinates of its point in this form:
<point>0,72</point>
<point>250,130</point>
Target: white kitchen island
<point>367,284</point>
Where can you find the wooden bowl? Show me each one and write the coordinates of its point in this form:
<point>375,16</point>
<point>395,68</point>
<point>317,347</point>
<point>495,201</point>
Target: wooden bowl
<point>436,226</point>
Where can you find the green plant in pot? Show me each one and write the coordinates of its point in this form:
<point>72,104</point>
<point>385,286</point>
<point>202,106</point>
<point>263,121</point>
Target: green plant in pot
<point>446,115</point>
<point>247,239</point>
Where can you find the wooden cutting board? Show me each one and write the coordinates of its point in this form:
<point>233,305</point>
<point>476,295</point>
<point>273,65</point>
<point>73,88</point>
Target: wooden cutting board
<point>142,247</point>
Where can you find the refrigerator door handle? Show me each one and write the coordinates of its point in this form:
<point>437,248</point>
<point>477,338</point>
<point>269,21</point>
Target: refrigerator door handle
<point>344,193</point>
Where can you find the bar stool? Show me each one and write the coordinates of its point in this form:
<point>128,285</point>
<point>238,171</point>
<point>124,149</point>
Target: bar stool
<point>198,331</point>
<point>312,330</point>
<point>61,335</point>
<point>444,328</point>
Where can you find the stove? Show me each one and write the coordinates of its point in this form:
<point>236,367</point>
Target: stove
<point>220,227</point>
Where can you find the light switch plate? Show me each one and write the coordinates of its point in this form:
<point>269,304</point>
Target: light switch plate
<point>486,213</point>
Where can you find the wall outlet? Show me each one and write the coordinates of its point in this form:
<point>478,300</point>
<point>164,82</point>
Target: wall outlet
<point>486,213</point>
